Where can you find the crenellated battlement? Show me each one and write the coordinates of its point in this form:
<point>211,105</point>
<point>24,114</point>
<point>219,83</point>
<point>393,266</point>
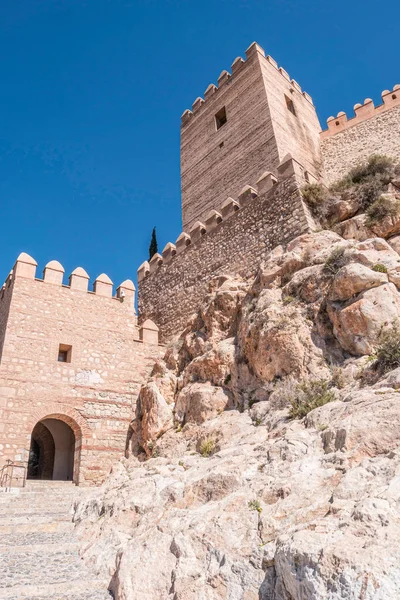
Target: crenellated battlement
<point>362,112</point>
<point>53,274</point>
<point>227,77</point>
<point>231,207</point>
<point>78,281</point>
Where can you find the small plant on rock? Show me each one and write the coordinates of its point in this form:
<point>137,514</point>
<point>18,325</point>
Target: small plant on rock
<point>335,261</point>
<point>207,447</point>
<point>255,505</point>
<point>388,351</point>
<point>383,206</point>
<point>368,180</point>
<point>310,394</point>
<point>317,198</point>
<point>380,268</point>
<point>227,379</point>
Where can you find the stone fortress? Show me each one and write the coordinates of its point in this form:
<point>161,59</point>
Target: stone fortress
<point>72,361</point>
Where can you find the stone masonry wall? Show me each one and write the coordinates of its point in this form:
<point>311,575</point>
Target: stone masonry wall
<point>170,294</point>
<point>95,393</point>
<point>356,139</point>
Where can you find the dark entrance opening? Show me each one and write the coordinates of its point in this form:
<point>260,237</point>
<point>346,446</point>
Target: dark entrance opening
<point>51,454</point>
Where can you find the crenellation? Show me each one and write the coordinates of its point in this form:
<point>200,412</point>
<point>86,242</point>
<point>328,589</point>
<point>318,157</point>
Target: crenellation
<point>182,242</point>
<point>79,280</point>
<point>229,208</point>
<point>197,231</point>
<point>211,89</point>
<point>362,112</point>
<point>53,273</point>
<point>213,219</point>
<point>155,262</point>
<point>223,78</point>
<point>237,64</point>
<point>246,194</point>
<point>169,252</point>
<point>197,104</point>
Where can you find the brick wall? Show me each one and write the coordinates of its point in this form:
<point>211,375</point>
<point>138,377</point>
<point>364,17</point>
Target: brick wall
<point>170,294</point>
<point>95,393</point>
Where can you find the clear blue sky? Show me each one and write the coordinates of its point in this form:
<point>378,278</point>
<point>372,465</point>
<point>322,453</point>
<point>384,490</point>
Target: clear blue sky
<point>92,93</point>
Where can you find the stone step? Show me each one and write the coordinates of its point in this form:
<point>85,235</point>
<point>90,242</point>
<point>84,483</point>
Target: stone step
<point>83,590</point>
<point>48,517</point>
<point>35,538</point>
<point>50,527</point>
<point>39,551</point>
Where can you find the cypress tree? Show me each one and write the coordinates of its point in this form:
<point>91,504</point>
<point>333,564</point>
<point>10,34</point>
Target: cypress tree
<point>153,248</point>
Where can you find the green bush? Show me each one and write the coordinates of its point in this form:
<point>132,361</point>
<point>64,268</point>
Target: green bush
<point>388,351</point>
<point>335,261</point>
<point>310,395</point>
<point>382,207</point>
<point>314,194</point>
<point>368,180</point>
<point>207,447</point>
<point>380,268</point>
<point>255,505</point>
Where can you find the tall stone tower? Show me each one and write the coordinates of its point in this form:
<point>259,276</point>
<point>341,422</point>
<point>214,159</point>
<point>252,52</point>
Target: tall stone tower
<point>244,127</point>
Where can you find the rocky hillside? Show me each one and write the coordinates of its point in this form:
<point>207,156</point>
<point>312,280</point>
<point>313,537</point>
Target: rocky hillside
<point>264,458</point>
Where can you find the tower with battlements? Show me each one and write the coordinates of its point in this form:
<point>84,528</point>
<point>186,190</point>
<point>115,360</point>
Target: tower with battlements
<point>243,127</point>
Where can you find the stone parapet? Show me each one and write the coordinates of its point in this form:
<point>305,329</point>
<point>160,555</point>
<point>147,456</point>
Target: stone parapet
<point>362,112</point>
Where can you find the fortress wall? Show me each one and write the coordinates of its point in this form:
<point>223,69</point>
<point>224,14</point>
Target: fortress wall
<point>173,291</point>
<point>97,389</point>
<point>373,130</point>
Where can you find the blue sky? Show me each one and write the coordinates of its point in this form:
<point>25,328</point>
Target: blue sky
<point>93,90</point>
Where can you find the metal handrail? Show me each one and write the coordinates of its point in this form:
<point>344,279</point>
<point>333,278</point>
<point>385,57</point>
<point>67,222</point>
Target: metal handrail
<point>7,473</point>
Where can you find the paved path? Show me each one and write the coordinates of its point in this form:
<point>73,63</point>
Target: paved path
<point>39,557</point>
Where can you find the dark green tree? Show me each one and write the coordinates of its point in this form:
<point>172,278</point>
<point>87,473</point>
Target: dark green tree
<point>153,248</point>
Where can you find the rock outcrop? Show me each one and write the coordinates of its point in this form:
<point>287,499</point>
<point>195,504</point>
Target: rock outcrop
<point>225,494</point>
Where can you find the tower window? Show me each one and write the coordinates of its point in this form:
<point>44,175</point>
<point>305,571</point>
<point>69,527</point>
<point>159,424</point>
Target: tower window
<point>220,117</point>
<point>64,353</point>
<point>290,105</point>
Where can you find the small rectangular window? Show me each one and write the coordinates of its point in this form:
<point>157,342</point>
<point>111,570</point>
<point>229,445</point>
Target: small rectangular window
<point>64,353</point>
<point>220,117</point>
<point>290,105</point>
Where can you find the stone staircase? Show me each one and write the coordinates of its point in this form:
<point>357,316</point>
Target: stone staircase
<point>39,557</point>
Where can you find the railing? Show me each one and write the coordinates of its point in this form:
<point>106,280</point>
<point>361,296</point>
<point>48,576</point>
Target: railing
<point>7,474</point>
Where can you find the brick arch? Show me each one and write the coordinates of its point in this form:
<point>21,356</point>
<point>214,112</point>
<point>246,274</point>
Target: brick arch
<point>68,415</point>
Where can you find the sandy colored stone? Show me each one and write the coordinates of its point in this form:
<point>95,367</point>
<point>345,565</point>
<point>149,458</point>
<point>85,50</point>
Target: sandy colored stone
<point>358,324</point>
<point>353,279</point>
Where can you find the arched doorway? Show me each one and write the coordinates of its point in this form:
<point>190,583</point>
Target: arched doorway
<point>51,454</point>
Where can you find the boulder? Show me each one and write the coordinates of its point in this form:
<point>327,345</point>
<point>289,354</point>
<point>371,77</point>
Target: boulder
<point>353,279</point>
<point>199,402</point>
<point>357,324</point>
<point>155,415</point>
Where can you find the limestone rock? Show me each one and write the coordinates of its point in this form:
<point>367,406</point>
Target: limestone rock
<point>353,279</point>
<point>354,229</point>
<point>155,415</point>
<point>358,323</point>
<point>198,402</point>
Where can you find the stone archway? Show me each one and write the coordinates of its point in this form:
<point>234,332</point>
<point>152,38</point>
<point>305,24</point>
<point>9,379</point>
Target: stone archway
<point>41,453</point>
<point>54,449</point>
<point>75,423</point>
